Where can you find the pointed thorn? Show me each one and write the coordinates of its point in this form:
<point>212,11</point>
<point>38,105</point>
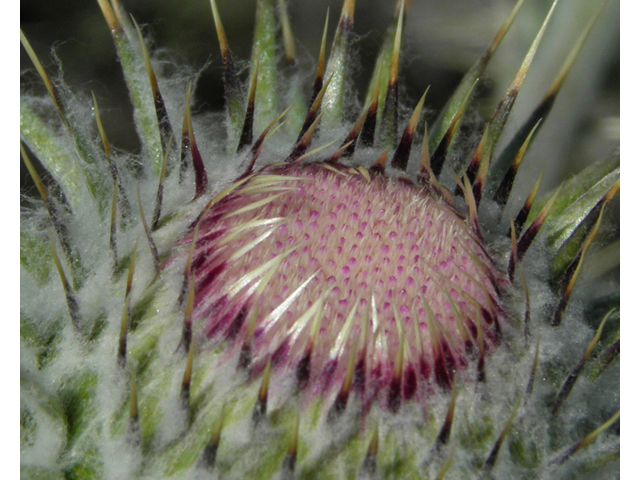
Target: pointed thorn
<point>126,311</point>
<point>369,463</point>
<point>472,76</point>
<point>569,452</point>
<point>352,137</point>
<point>482,376</point>
<point>147,231</point>
<point>513,258</point>
<point>185,390</point>
<point>244,360</point>
<point>157,210</point>
<point>187,323</point>
<point>527,306</point>
<point>530,234</point>
<point>401,156</point>
<point>478,155</point>
<point>523,214</point>
<point>72,304</point>
<point>289,463</point>
<point>287,34</point>
<point>570,381</point>
<point>302,146</point>
<point>472,206</point>
<point>317,84</point>
<point>51,89</point>
<point>264,136</point>
<point>164,124</point>
<point>425,173</point>
<point>500,116</point>
<point>210,452</point>
<point>440,154</point>
<point>369,127</point>
<point>532,376</point>
<point>493,456</point>
<point>390,112</point>
<point>445,431</point>
<point>134,416</point>
<point>246,137</point>
<point>504,190</point>
<point>198,164</point>
<point>314,108</point>
<point>260,408</point>
<point>336,156</point>
<point>232,87</point>
<point>113,243</point>
<point>381,163</point>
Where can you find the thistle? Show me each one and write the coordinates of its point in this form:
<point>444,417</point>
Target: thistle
<point>321,288</point>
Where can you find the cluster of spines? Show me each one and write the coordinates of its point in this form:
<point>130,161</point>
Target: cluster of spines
<point>578,236</point>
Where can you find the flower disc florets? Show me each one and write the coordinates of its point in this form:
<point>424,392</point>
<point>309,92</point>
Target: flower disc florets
<point>344,277</point>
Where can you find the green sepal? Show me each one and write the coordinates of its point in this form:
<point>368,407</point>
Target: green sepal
<point>338,70</point>
<point>263,56</point>
<point>144,113</point>
<point>61,163</point>
<point>567,224</point>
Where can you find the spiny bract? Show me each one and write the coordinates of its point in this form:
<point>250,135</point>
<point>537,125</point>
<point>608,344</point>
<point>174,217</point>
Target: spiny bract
<point>267,310</point>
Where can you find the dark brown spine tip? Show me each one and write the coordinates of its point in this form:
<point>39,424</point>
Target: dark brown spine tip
<point>445,431</point>
<point>401,156</point>
<point>244,360</point>
<point>493,455</point>
<point>352,137</point>
<point>369,463</point>
<point>303,144</point>
<point>198,165</point>
<point>289,465</point>
<point>440,154</point>
<point>208,458</point>
<point>608,357</point>
<point>122,352</point>
<point>157,211</point>
<point>260,408</point>
<point>339,406</point>
<point>134,417</point>
<point>394,399</point>
<point>504,190</point>
<point>443,378</point>
<point>369,128</point>
<point>521,218</point>
<point>381,163</point>
<point>236,325</point>
<point>566,388</point>
<point>410,383</point>
<point>246,136</point>
<point>389,127</point>
<point>184,153</point>
<point>303,370</point>
<point>481,372</point>
<point>147,232</point>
